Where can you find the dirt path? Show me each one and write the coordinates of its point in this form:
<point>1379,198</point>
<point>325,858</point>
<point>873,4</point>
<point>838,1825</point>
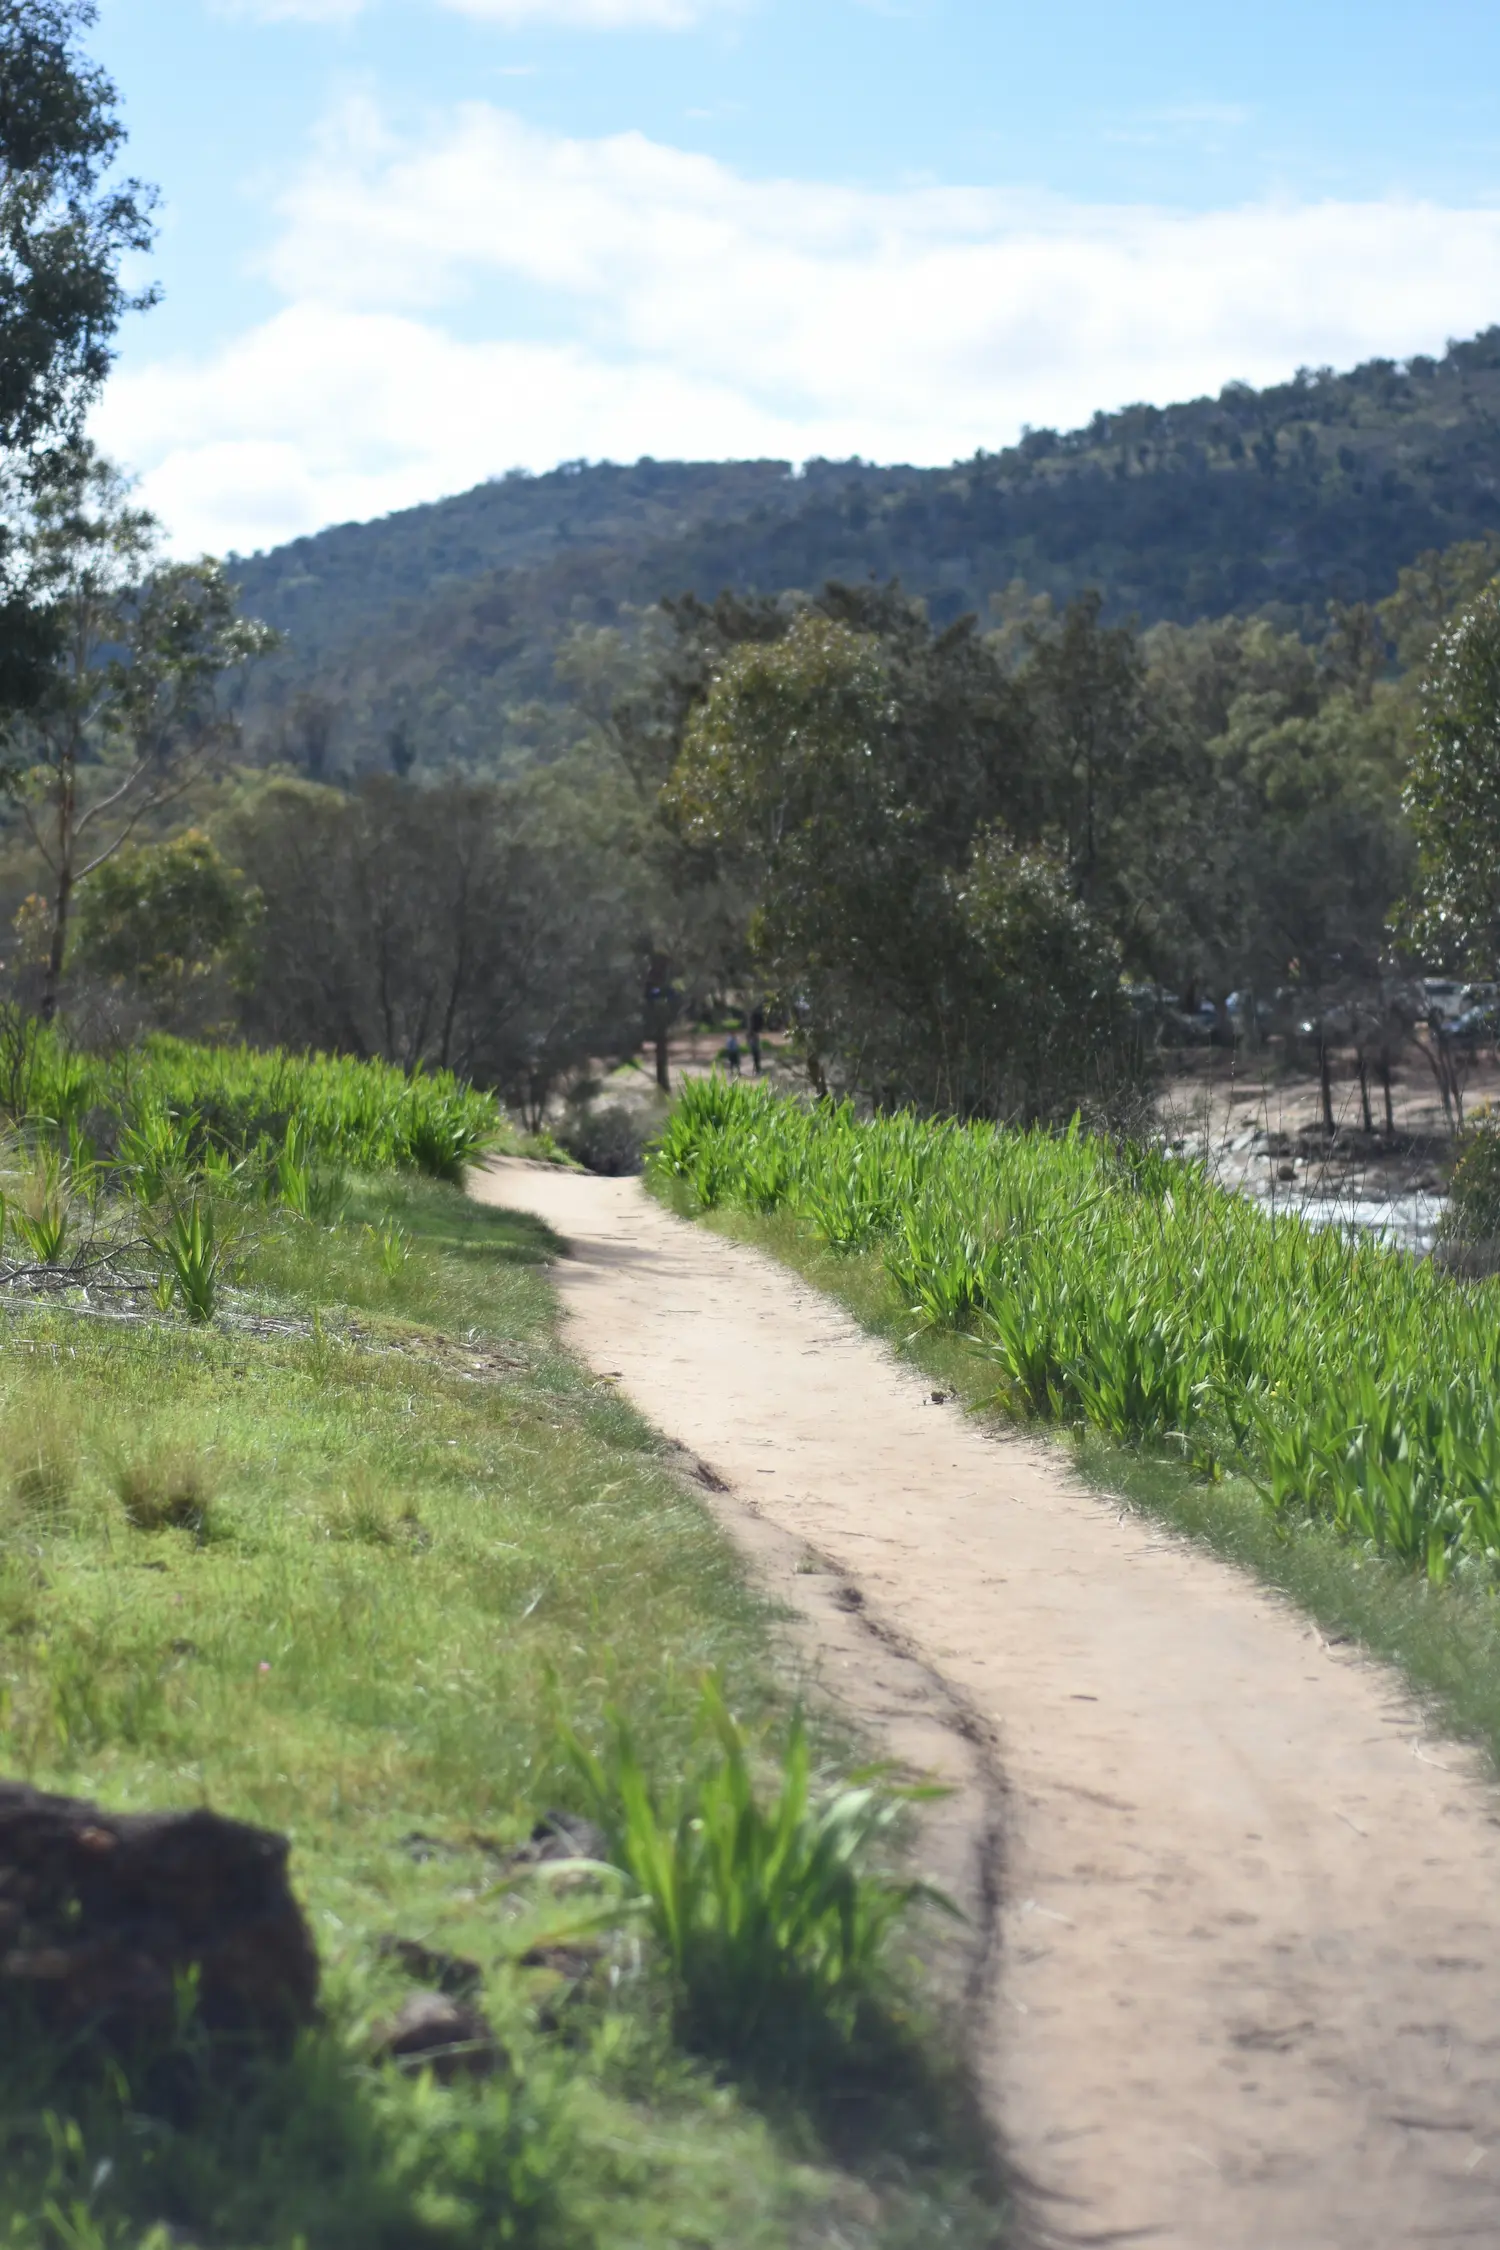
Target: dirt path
<point>1250,1985</point>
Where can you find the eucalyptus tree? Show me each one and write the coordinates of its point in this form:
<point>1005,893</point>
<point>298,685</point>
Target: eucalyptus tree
<point>68,224</point>
<point>127,715</point>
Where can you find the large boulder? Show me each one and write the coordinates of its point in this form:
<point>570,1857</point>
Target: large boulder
<point>104,1916</point>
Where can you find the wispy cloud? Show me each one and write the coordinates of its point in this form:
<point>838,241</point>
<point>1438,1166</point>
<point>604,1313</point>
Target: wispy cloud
<point>290,11</point>
<point>593,15</point>
<point>495,295</point>
<point>539,15</point>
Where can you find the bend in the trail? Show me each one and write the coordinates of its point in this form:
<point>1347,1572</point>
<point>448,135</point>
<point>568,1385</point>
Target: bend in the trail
<point>1250,1984</point>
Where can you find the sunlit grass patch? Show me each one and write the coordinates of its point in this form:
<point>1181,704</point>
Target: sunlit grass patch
<point>334,1560</point>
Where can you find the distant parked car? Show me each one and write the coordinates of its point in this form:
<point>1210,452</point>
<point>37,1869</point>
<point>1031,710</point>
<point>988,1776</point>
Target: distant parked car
<point>1478,1026</point>
<point>1445,999</point>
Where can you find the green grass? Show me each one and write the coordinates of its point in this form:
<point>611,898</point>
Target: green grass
<point>768,1908</point>
<point>166,1098</point>
<point>359,1557</point>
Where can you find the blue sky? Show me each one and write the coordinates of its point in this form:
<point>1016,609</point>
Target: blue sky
<point>410,243</point>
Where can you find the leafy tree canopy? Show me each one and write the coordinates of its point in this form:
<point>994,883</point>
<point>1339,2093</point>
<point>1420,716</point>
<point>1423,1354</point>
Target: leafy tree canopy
<point>65,225</point>
<point>1453,795</point>
<point>159,914</point>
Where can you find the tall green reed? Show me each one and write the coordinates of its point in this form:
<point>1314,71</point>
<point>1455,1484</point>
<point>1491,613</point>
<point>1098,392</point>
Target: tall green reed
<point>767,1906</point>
<point>1120,1287</point>
<point>173,1098</point>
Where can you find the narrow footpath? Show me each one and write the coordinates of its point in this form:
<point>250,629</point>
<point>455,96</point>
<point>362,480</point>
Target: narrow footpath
<point>1248,1994</point>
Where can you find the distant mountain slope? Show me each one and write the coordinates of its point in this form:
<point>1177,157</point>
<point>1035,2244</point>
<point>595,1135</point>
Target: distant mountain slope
<point>430,635</point>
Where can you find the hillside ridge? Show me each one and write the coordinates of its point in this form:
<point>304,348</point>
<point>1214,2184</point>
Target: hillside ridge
<point>435,629</point>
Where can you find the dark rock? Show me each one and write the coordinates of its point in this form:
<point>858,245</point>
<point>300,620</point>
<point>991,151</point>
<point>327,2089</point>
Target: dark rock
<point>432,2031</point>
<point>102,1915</point>
<point>562,1835</point>
<point>562,1975</point>
<point>448,1973</point>
<point>573,1961</point>
<point>420,1846</point>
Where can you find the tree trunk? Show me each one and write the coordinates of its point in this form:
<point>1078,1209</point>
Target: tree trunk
<point>67,809</point>
<point>1437,1058</point>
<point>1385,1088</point>
<point>1325,1081</point>
<point>56,953</point>
<point>1364,1092</point>
<point>663,1061</point>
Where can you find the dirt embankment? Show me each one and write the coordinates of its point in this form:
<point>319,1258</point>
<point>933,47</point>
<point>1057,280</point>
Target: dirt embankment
<point>1248,1990</point>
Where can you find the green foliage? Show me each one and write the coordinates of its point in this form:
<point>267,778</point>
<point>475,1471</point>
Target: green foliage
<point>68,220</point>
<point>42,1214</point>
<point>158,1150</point>
<point>319,1195</point>
<point>1471,1223</point>
<point>161,914</point>
<point>321,2154</point>
<point>1047,977</point>
<point>1354,1385</point>
<point>1261,839</point>
<point>858,766</point>
<point>1454,793</point>
<point>193,1250</point>
<point>174,1102</point>
<point>773,1922</point>
<point>787,744</point>
<point>462,926</point>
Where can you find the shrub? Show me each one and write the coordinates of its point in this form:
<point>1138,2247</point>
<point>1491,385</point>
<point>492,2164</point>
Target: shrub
<point>42,1213</point>
<point>162,914</point>
<point>605,1137</point>
<point>1471,1223</point>
<point>774,1924</point>
<point>193,1255</point>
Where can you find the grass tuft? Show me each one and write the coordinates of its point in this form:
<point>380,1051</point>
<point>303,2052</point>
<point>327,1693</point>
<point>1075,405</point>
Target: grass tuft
<point>41,1481</point>
<point>768,1908</point>
<point>171,1491</point>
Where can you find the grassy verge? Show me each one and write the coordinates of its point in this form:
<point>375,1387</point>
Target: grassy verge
<point>1446,1639</point>
<point>339,1562</point>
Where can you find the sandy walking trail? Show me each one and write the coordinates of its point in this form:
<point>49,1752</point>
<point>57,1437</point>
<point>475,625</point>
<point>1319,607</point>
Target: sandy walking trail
<point>1249,1986</point>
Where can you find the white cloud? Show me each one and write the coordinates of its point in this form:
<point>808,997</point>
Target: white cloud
<point>592,15</point>
<point>630,297</point>
<point>560,15</point>
<point>291,11</point>
<point>326,414</point>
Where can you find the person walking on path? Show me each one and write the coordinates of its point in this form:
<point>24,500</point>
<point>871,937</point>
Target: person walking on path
<point>757,1026</point>
<point>732,1055</point>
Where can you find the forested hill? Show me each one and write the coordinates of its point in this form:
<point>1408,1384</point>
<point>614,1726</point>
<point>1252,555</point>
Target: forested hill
<point>431,635</point>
